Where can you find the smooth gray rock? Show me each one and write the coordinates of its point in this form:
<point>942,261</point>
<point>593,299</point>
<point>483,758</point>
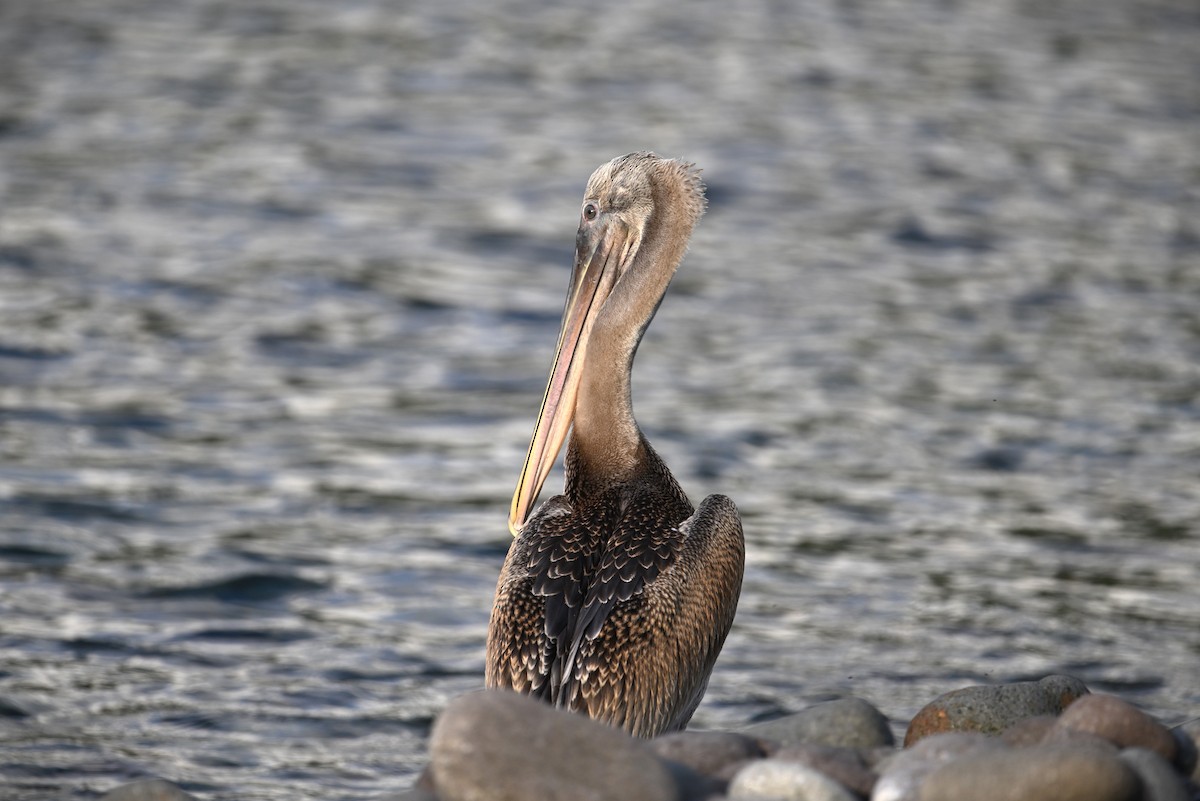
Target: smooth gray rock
<point>846,722</point>
<point>786,781</point>
<point>901,775</point>
<point>691,785</point>
<point>706,752</point>
<point>496,745</point>
<point>727,772</point>
<point>1035,773</point>
<point>1160,782</point>
<point>1187,758</point>
<point>1028,731</point>
<point>1079,739</point>
<point>1190,731</point>
<point>846,766</point>
<point>992,709</point>
<point>148,790</point>
<point>1119,722</point>
<point>414,794</point>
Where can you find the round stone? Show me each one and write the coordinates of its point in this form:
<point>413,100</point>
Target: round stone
<point>1119,722</point>
<point>993,709</point>
<point>846,766</point>
<point>1160,782</point>
<point>706,752</point>
<point>1037,773</point>
<point>785,781</point>
<point>846,722</point>
<point>496,745</point>
<point>148,790</point>
<point>1187,756</point>
<point>1028,731</point>
<point>902,774</point>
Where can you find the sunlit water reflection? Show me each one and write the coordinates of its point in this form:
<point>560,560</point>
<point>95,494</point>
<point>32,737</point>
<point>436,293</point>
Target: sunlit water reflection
<point>279,283</point>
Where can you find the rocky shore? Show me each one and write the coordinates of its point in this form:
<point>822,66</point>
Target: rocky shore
<point>1027,741</point>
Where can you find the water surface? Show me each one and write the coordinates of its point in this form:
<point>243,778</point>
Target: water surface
<point>279,284</point>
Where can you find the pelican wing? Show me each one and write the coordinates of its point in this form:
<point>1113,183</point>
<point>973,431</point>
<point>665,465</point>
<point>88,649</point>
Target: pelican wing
<point>648,656</point>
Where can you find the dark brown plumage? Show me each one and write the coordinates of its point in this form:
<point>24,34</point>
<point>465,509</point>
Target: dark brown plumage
<point>616,595</point>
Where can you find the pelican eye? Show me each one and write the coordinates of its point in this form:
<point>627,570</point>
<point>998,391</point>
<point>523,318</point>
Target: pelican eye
<point>590,211</point>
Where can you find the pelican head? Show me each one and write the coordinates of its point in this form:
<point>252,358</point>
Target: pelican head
<point>634,224</point>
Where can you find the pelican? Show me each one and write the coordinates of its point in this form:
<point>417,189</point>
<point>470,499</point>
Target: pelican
<point>616,596</point>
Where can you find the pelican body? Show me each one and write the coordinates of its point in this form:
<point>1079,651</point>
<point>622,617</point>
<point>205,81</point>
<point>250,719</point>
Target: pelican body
<point>616,596</point>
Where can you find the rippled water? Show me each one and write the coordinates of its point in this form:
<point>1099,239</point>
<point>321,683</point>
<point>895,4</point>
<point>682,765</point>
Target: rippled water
<point>279,282</point>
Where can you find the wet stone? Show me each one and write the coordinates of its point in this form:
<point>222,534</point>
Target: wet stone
<point>992,709</point>
<point>1036,773</point>
<point>726,772</point>
<point>1159,780</point>
<point>1028,731</point>
<point>148,790</point>
<point>692,784</point>
<point>706,751</point>
<point>413,794</point>
<point>1187,758</point>
<point>1079,739</point>
<point>499,746</point>
<point>846,722</point>
<point>901,776</point>
<point>786,781</point>
<point>1119,722</point>
<point>879,755</point>
<point>846,766</point>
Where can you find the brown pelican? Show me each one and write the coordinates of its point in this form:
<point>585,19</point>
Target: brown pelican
<point>616,595</point>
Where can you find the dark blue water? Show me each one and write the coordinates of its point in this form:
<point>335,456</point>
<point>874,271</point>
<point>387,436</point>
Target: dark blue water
<point>279,283</point>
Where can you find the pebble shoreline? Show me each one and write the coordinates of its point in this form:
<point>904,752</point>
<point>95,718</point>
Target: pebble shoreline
<point>1026,741</point>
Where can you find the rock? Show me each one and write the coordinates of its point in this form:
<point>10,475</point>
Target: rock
<point>706,751</point>
<point>785,781</point>
<point>1035,773</point>
<point>1119,722</point>
<point>1160,782</point>
<point>425,781</point>
<point>875,758</point>
<point>1029,731</point>
<point>496,745</point>
<point>1186,756</point>
<point>1063,690</point>
<point>901,776</point>
<point>992,709</point>
<point>148,790</point>
<point>1079,739</point>
<point>726,773</point>
<point>691,784</point>
<point>846,766</point>
<point>414,794</point>
<point>1191,730</point>
<point>847,722</point>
